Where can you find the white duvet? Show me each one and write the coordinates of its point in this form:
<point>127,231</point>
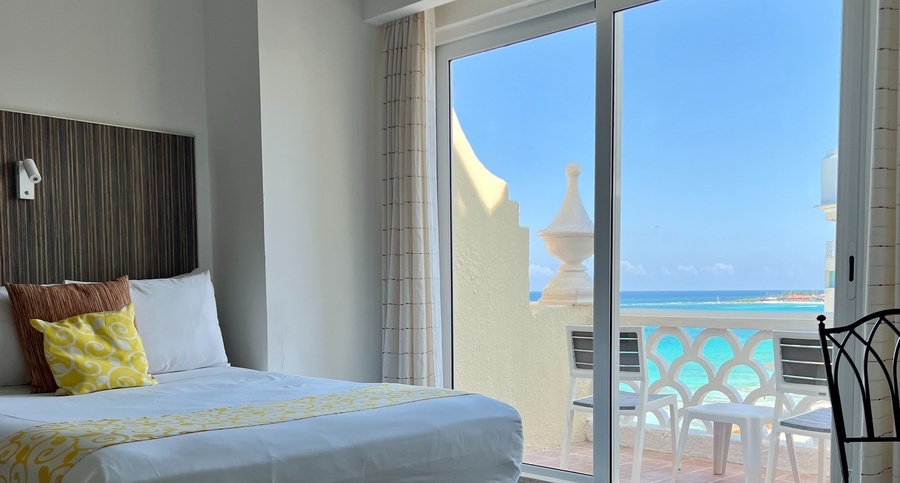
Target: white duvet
<point>454,439</point>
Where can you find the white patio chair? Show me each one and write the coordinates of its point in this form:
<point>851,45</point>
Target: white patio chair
<point>632,368</point>
<point>799,370</point>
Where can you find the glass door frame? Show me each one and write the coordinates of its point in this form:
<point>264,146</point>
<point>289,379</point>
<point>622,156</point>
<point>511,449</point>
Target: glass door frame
<point>445,53</point>
<point>855,148</point>
<point>607,207</point>
<point>854,153</point>
<point>855,156</point>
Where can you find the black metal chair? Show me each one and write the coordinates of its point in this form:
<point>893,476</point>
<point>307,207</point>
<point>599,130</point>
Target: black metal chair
<point>855,349</point>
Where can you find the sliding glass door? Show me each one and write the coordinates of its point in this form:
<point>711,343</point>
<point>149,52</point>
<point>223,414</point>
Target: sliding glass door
<point>719,175</point>
<point>633,197</point>
<point>521,152</point>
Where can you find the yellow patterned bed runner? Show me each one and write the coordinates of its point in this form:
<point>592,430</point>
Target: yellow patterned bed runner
<point>45,453</point>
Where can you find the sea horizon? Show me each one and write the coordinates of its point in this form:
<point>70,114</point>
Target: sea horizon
<point>706,300</point>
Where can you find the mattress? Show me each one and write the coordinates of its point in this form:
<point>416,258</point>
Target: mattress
<point>467,438</point>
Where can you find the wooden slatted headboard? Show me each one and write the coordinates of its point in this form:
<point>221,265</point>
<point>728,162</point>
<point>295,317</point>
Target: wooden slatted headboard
<point>113,201</point>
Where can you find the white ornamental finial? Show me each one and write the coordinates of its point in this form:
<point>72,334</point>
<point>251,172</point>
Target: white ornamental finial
<point>570,239</point>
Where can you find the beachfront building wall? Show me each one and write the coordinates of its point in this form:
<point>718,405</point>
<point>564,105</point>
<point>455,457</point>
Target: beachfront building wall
<point>828,205</point>
<point>504,346</point>
<point>829,180</point>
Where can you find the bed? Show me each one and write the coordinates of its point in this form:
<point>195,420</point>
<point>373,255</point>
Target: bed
<point>191,417</point>
<point>463,438</point>
<point>186,415</point>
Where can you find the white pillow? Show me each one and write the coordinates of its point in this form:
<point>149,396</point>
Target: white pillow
<point>12,362</point>
<point>178,322</point>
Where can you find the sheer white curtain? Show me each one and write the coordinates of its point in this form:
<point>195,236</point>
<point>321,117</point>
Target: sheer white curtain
<point>881,462</point>
<point>411,330</point>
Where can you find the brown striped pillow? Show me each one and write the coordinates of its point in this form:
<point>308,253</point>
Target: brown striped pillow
<point>57,302</point>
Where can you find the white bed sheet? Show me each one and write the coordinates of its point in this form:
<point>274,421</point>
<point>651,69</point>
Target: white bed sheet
<point>455,439</point>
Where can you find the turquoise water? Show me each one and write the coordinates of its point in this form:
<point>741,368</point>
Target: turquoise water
<point>717,351</point>
<point>708,300</point>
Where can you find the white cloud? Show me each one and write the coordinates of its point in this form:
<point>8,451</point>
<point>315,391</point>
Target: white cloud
<point>665,271</point>
<point>719,269</point>
<point>631,268</point>
<point>539,271</point>
<point>687,269</point>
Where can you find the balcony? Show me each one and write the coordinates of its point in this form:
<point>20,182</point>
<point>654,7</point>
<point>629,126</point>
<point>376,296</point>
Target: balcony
<point>515,350</point>
<point>744,377</point>
<point>685,353</point>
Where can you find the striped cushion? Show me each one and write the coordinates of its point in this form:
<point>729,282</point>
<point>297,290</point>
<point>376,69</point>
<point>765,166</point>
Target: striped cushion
<point>818,420</point>
<point>587,402</point>
<point>627,400</point>
<point>54,303</point>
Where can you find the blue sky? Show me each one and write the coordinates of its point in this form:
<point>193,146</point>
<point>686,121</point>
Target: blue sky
<point>728,109</point>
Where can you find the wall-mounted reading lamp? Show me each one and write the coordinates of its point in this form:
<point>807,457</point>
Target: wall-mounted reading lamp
<point>28,177</point>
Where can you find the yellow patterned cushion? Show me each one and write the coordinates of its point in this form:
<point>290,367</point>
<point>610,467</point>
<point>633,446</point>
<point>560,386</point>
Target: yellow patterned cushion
<point>93,352</point>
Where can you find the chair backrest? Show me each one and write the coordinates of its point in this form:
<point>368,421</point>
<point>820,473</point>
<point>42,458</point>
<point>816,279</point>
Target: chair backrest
<point>631,352</point>
<point>799,363</point>
<point>581,350</point>
<point>862,365</point>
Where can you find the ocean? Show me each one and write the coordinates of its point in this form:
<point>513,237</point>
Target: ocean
<point>716,350</point>
<point>708,300</point>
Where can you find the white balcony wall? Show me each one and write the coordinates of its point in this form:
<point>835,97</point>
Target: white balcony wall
<point>503,346</point>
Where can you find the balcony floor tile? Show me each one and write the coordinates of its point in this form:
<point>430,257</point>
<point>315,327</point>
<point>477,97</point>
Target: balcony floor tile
<point>656,467</point>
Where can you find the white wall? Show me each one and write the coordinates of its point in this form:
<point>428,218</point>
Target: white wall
<point>322,179</point>
<point>233,115</point>
<point>289,99</point>
<point>137,64</point>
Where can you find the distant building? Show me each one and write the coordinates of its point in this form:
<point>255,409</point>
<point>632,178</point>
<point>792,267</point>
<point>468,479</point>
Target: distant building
<point>829,206</point>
